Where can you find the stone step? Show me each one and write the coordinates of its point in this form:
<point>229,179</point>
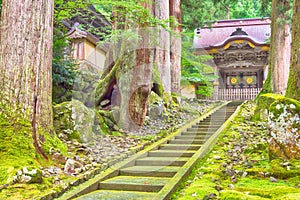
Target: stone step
<point>198,133</point>
<point>151,171</point>
<point>203,129</point>
<point>190,137</point>
<point>186,141</point>
<point>117,195</point>
<point>134,183</point>
<point>161,161</point>
<point>179,147</point>
<point>171,153</point>
<point>206,126</point>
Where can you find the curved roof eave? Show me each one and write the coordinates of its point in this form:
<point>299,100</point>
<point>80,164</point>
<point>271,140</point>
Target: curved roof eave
<point>240,37</point>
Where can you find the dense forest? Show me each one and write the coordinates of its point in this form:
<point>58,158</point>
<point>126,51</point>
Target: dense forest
<point>57,114</point>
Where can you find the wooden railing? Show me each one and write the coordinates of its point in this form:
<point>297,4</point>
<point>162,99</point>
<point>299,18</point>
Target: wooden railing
<point>235,94</point>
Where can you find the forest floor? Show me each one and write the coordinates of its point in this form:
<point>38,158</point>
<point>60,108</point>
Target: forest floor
<point>238,166</point>
<point>89,159</point>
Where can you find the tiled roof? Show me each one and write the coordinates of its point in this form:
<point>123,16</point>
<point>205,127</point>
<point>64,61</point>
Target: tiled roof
<point>258,31</point>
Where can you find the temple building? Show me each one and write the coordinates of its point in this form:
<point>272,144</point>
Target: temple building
<point>240,51</point>
<point>85,47</point>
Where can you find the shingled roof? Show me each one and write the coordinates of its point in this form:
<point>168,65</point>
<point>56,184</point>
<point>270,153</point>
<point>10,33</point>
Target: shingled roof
<point>257,31</point>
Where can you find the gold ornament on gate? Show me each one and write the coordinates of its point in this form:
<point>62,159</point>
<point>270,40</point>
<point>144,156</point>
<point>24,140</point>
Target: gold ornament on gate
<point>249,80</point>
<point>233,80</point>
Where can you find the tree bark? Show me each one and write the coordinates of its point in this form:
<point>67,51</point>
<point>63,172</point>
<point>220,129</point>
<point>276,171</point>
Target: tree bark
<point>293,88</point>
<point>162,55</point>
<point>26,62</point>
<point>175,50</point>
<point>280,47</point>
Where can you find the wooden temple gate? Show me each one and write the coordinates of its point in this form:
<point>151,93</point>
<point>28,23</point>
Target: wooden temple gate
<point>240,56</point>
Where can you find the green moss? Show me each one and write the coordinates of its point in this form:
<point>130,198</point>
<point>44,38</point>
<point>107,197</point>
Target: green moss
<point>235,195</point>
<point>279,171</point>
<point>167,99</point>
<point>157,83</point>
<point>116,133</point>
<point>154,98</point>
<point>263,102</point>
<point>104,129</point>
<point>52,141</point>
<point>197,191</point>
<point>16,147</point>
<point>285,101</point>
<point>293,196</point>
<point>212,169</point>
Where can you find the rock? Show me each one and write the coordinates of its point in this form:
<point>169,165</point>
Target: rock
<point>155,111</point>
<point>69,166</point>
<point>74,119</point>
<point>233,179</point>
<point>217,157</point>
<point>286,164</point>
<point>115,111</point>
<point>274,180</point>
<point>78,170</point>
<point>104,103</point>
<point>218,188</point>
<point>284,129</point>
<point>231,186</point>
<point>58,157</point>
<point>210,196</point>
<point>28,175</point>
<point>261,174</point>
<point>244,174</point>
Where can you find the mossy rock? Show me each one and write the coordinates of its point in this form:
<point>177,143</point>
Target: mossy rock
<point>155,99</point>
<point>284,128</point>
<point>74,119</point>
<point>280,171</point>
<point>263,103</point>
<point>293,106</point>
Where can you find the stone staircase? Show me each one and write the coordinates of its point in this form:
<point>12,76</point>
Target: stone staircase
<point>147,176</point>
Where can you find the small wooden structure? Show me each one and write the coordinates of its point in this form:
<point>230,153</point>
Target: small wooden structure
<point>85,43</point>
<point>240,55</point>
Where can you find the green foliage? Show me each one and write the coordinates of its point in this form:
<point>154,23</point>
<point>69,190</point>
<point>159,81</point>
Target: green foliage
<point>67,9</point>
<point>197,13</point>
<point>63,72</point>
<point>195,68</point>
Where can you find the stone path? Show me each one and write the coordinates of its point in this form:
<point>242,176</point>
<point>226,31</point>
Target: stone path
<point>153,174</point>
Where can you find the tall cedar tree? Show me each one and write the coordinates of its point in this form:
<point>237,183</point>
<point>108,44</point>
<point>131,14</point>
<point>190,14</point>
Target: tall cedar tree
<point>280,48</point>
<point>175,50</point>
<point>293,89</point>
<point>25,63</point>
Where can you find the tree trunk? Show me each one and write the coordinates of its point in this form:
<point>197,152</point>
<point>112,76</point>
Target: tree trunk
<point>175,52</point>
<point>132,73</point>
<point>293,88</point>
<point>26,62</point>
<point>280,47</point>
<point>162,55</point>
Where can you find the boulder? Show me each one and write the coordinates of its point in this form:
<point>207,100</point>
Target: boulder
<point>284,129</point>
<point>74,120</point>
<point>155,111</point>
<point>28,175</point>
<point>156,106</point>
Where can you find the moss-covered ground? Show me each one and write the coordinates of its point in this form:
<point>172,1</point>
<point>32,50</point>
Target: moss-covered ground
<point>17,151</point>
<point>238,166</point>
